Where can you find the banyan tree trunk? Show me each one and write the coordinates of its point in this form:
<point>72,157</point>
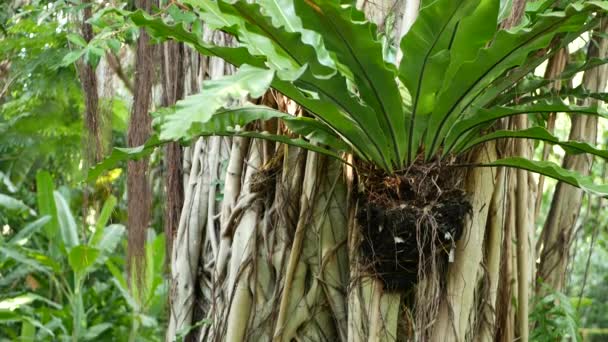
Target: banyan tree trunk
<point>268,245</point>
<point>558,231</point>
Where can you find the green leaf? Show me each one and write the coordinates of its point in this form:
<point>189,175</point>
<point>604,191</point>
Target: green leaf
<point>180,16</point>
<point>352,39</point>
<point>28,331</point>
<point>76,39</point>
<point>106,212</point>
<point>336,106</point>
<point>113,45</point>
<point>439,41</point>
<point>346,116</point>
<point>46,202</point>
<point>17,255</point>
<point>553,170</point>
<point>457,136</point>
<point>578,92</point>
<point>539,133</point>
<point>496,93</point>
<point>8,316</point>
<point>120,154</point>
<point>473,32</point>
<point>509,49</point>
<point>67,224</point>
<point>120,282</point>
<point>23,235</point>
<point>82,258</point>
<point>161,30</point>
<point>290,42</point>
<point>25,299</point>
<point>109,239</point>
<point>93,332</point>
<point>72,57</point>
<point>282,13</point>
<point>228,121</point>
<point>102,220</point>
<point>248,81</point>
<point>13,204</point>
<point>225,17</point>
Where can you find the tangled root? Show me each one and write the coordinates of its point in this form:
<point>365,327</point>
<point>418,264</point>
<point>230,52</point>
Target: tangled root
<point>409,221</point>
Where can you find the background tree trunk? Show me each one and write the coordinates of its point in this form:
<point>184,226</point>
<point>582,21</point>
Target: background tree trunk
<point>138,185</point>
<point>173,76</point>
<point>558,230</point>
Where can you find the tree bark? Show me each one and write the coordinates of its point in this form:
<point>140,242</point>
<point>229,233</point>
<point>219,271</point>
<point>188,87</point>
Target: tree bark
<point>138,186</point>
<point>566,204</point>
<point>88,79</point>
<point>173,75</point>
<point>456,316</point>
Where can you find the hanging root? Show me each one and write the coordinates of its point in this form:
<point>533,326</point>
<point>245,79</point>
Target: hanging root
<point>410,222</point>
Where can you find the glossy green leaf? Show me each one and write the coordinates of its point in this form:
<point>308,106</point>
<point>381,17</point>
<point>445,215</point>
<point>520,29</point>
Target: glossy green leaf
<point>502,91</point>
<point>229,120</point>
<point>14,303</point>
<point>539,133</point>
<point>290,42</point>
<point>106,212</point>
<point>223,16</point>
<point>108,241</point>
<point>248,81</point>
<point>46,202</point>
<point>283,14</point>
<point>352,39</point>
<point>17,255</point>
<point>161,30</point>
<point>336,106</point>
<point>12,204</point>
<point>553,170</point>
<point>68,229</point>
<point>23,235</point>
<point>93,332</point>
<point>82,258</point>
<point>121,154</point>
<point>437,44</point>
<point>509,49</point>
<point>457,135</point>
<point>353,120</point>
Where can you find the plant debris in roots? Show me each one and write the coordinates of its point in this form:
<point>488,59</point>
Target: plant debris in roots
<point>408,220</point>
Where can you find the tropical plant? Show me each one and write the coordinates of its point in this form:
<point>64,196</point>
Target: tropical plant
<point>459,76</point>
<point>36,117</point>
<point>66,292</point>
<point>555,318</point>
<point>456,79</point>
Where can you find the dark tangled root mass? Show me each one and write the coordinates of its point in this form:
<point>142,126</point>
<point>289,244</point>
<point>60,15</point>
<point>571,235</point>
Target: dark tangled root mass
<point>408,218</point>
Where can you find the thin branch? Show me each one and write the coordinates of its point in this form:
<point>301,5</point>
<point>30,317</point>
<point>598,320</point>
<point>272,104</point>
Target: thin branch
<point>116,67</point>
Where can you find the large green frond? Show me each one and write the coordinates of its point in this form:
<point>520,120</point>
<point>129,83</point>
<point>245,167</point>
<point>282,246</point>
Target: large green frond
<point>462,132</point>
<point>352,39</point>
<point>508,49</point>
<point>443,37</point>
<point>554,171</point>
<point>538,133</point>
